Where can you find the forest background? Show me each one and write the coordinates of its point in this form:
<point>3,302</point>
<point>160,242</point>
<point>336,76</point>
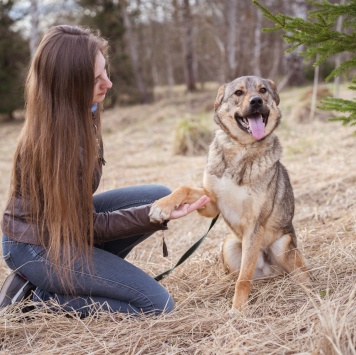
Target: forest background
<point>158,43</point>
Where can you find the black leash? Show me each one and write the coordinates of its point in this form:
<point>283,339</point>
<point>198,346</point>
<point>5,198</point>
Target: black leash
<point>188,253</point>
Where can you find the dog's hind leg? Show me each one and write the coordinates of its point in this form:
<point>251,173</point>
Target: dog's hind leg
<point>231,254</point>
<point>286,255</point>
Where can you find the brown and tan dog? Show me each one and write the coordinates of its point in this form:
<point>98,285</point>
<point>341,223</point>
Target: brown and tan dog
<point>248,185</point>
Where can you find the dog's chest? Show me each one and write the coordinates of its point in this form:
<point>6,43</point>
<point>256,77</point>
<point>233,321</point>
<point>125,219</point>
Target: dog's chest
<point>235,202</point>
<point>239,178</point>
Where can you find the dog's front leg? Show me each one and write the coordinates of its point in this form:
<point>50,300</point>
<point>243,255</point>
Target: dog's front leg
<point>162,208</point>
<point>251,243</point>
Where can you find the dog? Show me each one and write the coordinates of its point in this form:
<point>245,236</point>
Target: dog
<point>248,185</point>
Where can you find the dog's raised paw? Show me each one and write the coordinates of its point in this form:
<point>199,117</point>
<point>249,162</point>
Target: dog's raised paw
<point>157,215</point>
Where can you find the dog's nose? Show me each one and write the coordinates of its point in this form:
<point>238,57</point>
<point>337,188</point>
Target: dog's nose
<point>255,101</point>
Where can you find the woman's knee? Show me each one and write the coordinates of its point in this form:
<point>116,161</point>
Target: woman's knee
<point>152,192</point>
<point>160,191</point>
<point>165,305</point>
<point>129,196</point>
<point>170,305</point>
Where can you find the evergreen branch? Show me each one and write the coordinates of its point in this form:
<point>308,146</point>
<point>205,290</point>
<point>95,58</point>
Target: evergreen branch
<point>340,105</point>
<point>279,20</point>
<point>337,104</point>
<point>292,48</point>
<point>351,121</point>
<point>345,67</point>
<point>318,36</point>
<point>322,41</point>
<point>330,10</point>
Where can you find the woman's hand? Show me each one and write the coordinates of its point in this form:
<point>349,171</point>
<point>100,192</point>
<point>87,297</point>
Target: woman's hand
<point>185,209</point>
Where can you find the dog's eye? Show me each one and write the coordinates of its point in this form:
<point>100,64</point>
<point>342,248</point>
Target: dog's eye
<point>263,90</point>
<point>238,92</point>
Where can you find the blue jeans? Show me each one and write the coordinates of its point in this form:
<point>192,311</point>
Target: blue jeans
<point>107,282</point>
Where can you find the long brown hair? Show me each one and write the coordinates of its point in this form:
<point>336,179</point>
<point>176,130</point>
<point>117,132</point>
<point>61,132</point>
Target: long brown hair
<point>57,151</point>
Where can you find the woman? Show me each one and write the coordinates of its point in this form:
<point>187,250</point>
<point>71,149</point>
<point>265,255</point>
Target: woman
<point>61,241</point>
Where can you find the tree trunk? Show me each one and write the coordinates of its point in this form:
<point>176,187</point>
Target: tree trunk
<point>168,61</point>
<point>338,57</point>
<point>231,38</point>
<point>315,92</point>
<point>34,37</point>
<point>188,46</point>
<point>132,44</point>
<point>276,60</point>
<point>221,72</point>
<point>170,75</point>
<point>294,62</point>
<point>257,48</point>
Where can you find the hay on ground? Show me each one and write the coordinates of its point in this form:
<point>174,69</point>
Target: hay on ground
<point>282,318</point>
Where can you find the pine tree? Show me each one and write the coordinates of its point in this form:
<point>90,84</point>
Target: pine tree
<point>322,41</point>
<point>14,54</point>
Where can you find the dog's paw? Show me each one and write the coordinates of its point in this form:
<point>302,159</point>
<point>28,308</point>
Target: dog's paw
<point>157,215</point>
<point>235,313</point>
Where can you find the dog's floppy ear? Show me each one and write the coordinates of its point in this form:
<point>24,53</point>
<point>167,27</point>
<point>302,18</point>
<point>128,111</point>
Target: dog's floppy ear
<point>274,91</point>
<point>219,96</point>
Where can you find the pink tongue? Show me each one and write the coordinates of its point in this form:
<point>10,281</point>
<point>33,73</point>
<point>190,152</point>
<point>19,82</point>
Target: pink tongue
<point>257,126</point>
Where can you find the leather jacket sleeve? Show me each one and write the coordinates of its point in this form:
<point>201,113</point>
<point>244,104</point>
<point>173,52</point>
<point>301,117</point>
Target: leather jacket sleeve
<point>124,223</point>
<point>108,226</point>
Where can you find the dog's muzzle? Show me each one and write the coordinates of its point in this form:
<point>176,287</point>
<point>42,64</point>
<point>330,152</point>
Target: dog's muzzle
<point>255,120</point>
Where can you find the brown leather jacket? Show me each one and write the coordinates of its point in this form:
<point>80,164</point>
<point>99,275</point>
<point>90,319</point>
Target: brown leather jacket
<point>107,225</point>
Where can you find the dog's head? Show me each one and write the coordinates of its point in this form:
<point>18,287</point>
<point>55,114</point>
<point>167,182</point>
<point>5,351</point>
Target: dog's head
<point>246,108</point>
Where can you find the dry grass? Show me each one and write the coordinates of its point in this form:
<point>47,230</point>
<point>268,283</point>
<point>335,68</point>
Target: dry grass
<point>283,317</point>
<point>192,136</point>
<point>301,111</point>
